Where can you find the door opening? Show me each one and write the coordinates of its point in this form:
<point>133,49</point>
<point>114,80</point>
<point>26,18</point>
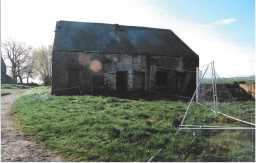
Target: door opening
<point>121,81</point>
<point>139,80</point>
<point>73,81</point>
<point>162,78</point>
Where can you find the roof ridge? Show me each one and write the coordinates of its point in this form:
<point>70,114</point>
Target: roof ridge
<point>121,25</point>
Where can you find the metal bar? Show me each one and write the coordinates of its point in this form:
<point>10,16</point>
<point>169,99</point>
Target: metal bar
<point>236,118</point>
<point>217,128</point>
<point>199,126</point>
<point>160,150</point>
<point>152,157</point>
<point>213,90</point>
<point>228,116</point>
<point>215,85</point>
<point>192,98</point>
<point>197,80</point>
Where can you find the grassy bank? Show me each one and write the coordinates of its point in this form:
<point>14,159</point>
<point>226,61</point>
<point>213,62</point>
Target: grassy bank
<point>90,128</point>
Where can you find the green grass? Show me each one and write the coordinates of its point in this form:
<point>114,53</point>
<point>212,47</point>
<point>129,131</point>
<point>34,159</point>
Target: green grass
<point>13,86</point>
<point>7,89</point>
<point>90,128</point>
<point>5,92</point>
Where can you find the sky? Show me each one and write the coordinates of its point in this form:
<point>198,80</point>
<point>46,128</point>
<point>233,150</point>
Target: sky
<point>219,30</point>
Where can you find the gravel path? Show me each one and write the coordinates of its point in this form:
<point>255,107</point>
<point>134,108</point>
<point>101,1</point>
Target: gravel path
<point>16,146</point>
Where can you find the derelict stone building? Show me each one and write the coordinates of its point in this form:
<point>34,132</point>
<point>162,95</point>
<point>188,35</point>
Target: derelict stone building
<point>92,58</point>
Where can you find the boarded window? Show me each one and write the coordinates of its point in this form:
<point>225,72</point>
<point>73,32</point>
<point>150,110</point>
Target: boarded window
<point>121,81</point>
<point>161,78</point>
<point>139,80</point>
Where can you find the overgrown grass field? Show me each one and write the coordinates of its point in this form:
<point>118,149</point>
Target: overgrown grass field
<point>95,128</point>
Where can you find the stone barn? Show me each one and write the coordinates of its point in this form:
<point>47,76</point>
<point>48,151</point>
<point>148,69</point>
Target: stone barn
<point>96,58</point>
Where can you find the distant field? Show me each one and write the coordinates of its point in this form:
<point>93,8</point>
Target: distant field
<point>232,80</point>
<point>249,80</point>
<point>90,128</point>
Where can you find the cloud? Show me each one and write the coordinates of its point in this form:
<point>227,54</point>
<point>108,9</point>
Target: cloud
<point>225,21</point>
<point>222,22</point>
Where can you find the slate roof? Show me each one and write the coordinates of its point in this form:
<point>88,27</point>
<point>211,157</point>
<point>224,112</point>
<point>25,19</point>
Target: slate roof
<point>114,38</point>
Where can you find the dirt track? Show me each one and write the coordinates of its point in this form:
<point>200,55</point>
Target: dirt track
<point>16,146</point>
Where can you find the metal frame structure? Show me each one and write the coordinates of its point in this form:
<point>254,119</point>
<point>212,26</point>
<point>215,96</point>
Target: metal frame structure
<point>215,109</point>
<point>215,104</point>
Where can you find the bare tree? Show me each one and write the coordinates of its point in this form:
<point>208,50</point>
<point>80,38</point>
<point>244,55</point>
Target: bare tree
<point>28,69</point>
<point>42,63</point>
<point>17,53</point>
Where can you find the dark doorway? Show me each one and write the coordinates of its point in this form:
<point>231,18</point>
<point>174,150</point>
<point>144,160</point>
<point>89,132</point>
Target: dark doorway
<point>179,82</point>
<point>97,83</point>
<point>73,81</point>
<point>121,81</point>
<point>161,78</point>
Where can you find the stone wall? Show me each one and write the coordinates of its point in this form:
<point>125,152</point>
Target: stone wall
<point>141,70</point>
<point>117,62</point>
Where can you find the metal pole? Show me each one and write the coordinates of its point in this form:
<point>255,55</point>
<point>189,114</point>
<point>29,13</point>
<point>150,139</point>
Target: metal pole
<point>193,98</point>
<point>217,128</point>
<point>197,83</point>
<point>215,86</point>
